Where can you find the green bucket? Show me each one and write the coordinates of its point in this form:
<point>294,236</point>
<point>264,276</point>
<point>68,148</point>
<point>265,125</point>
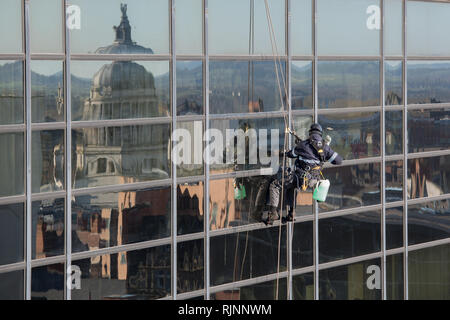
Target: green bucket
<point>321,190</point>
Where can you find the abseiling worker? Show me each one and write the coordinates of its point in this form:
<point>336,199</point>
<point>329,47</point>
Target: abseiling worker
<point>309,155</point>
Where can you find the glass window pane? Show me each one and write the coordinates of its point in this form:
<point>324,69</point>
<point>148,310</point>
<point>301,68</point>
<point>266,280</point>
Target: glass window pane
<point>352,186</point>
<point>393,29</point>
<point>348,83</point>
<point>11,234</point>
<point>350,282</point>
<point>428,130</point>
<point>428,221</point>
<point>394,228</point>
<point>46,18</point>
<point>117,155</point>
<point>301,84</point>
<point>189,27</point>
<point>48,228</point>
<point>353,135</point>
<point>47,91</point>
<point>348,27</point>
<point>133,275</point>
<point>11,20</point>
<point>189,87</point>
<point>393,79</point>
<point>394,277</point>
<point>48,161</point>
<point>428,82</point>
<point>119,90</point>
<point>248,30</point>
<point>303,286</point>
<point>47,283</point>
<point>11,92</point>
<point>426,22</point>
<point>12,164</point>
<point>259,291</point>
<point>190,266</point>
<point>106,220</point>
<point>394,132</point>
<point>188,148</point>
<point>12,285</point>
<point>429,274</point>
<point>394,181</point>
<point>190,204</point>
<point>349,236</point>
<point>301,27</point>
<point>107,26</point>
<point>302,245</point>
<point>246,255</point>
<point>240,87</point>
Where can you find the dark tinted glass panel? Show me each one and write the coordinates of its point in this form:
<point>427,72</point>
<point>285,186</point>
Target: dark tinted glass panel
<point>352,186</point>
<point>302,245</point>
<point>46,18</point>
<point>112,219</point>
<point>187,143</point>
<point>429,274</point>
<point>11,285</point>
<point>301,27</point>
<point>47,161</point>
<point>261,291</point>
<point>119,89</point>
<point>241,86</point>
<point>348,84</point>
<point>189,87</point>
<point>428,82</point>
<point>12,164</point>
<point>394,227</point>
<point>394,181</point>
<point>393,29</point>
<point>301,84</point>
<point>11,23</point>
<point>349,236</point>
<point>47,283</point>
<point>116,155</point>
<point>11,91</point>
<point>301,125</point>
<point>357,281</point>
<point>245,255</point>
<point>353,135</point>
<point>190,204</point>
<point>188,27</point>
<point>134,275</point>
<point>393,79</point>
<point>11,233</point>
<point>394,277</point>
<point>190,266</point>
<point>47,91</point>
<point>47,228</point>
<point>394,132</point>
<point>303,287</point>
<point>428,221</point>
<point>428,177</point>
<point>105,26</point>
<point>428,130</point>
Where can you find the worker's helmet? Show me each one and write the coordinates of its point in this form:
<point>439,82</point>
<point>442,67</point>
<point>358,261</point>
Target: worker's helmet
<point>315,128</point>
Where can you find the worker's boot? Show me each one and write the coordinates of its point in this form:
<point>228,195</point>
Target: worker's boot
<point>273,215</point>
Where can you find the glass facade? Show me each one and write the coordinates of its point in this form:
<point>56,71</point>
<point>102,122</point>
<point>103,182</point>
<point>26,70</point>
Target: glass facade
<point>92,107</point>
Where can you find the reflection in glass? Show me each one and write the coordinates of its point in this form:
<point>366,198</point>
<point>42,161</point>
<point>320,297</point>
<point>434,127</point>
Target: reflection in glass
<point>393,79</point>
<point>46,26</point>
<point>348,83</point>
<point>428,177</point>
<point>428,130</point>
<point>303,286</point>
<point>248,31</point>
<point>301,27</point>
<point>353,135</point>
<point>301,83</point>
<point>47,282</point>
<point>189,27</point>
<point>394,277</point>
<point>189,87</point>
<point>190,148</point>
<point>259,291</point>
<point>302,245</point>
<point>47,228</point>
<point>117,155</point>
<point>190,266</point>
<point>133,275</point>
<point>11,92</point>
<point>12,285</point>
<point>47,161</point>
<point>241,87</point>
<point>393,29</point>
<point>349,282</point>
<point>11,20</point>
<point>394,181</point>
<point>394,132</point>
<point>12,164</point>
<point>352,186</point>
<point>428,221</point>
<point>349,236</point>
<point>106,220</point>
<point>428,82</point>
<point>348,27</point>
<point>246,255</point>
<point>11,234</point>
<point>394,228</point>
<point>119,90</point>
<point>429,274</point>
<point>139,21</point>
<point>47,91</point>
<point>190,204</point>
